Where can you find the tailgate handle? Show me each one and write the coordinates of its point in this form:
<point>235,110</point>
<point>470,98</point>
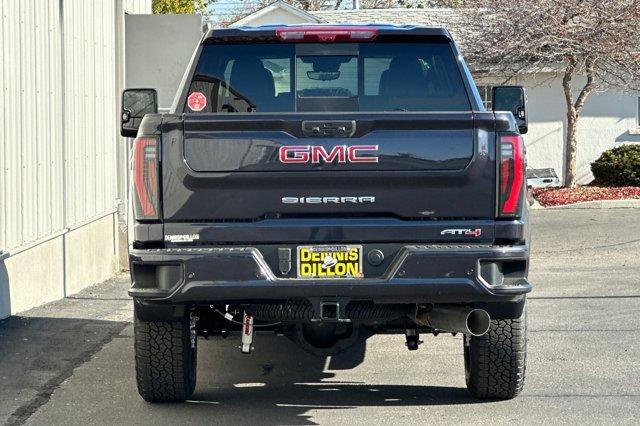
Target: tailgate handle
<point>329,129</point>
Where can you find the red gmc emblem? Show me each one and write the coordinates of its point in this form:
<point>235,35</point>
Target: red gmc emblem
<point>297,154</point>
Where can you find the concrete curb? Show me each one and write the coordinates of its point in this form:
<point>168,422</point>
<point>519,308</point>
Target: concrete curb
<point>536,205</point>
<point>601,204</point>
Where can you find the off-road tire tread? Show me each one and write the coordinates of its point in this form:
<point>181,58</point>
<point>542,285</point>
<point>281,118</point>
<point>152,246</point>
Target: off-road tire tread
<point>165,362</point>
<point>497,360</point>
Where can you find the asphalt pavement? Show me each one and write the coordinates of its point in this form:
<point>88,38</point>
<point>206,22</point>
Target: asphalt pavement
<point>71,362</point>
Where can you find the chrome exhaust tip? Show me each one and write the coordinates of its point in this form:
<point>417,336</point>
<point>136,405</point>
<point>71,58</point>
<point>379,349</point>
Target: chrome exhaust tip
<point>478,322</point>
<point>455,319</point>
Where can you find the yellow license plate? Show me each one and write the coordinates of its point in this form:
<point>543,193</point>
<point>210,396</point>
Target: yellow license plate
<point>338,261</point>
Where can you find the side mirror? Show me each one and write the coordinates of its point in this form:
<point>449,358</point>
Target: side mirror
<point>136,103</point>
<point>513,99</point>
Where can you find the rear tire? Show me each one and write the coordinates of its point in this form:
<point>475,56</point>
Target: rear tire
<point>495,362</point>
<point>165,360</point>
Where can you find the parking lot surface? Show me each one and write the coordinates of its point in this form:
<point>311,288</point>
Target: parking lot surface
<point>71,362</point>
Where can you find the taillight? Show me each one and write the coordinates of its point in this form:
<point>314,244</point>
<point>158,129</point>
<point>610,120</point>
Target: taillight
<point>511,175</point>
<point>326,34</point>
<point>145,178</point>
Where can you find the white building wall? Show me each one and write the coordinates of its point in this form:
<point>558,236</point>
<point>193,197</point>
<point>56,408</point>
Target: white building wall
<point>90,120</point>
<point>31,149</point>
<point>59,138</point>
<point>137,6</point>
<point>608,120</point>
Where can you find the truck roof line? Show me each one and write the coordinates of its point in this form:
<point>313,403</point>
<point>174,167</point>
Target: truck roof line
<point>268,32</point>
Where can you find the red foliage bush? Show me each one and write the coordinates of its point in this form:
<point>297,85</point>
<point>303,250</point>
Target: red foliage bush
<point>549,197</point>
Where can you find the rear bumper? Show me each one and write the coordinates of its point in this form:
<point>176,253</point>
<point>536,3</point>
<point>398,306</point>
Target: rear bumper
<point>417,274</point>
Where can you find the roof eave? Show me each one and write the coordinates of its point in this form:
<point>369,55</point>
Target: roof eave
<point>273,6</point>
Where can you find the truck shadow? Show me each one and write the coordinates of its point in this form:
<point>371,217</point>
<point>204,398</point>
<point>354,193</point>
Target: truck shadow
<point>5,294</point>
<point>38,353</point>
<point>280,383</point>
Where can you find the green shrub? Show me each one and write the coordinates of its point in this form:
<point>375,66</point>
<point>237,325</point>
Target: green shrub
<point>618,166</point>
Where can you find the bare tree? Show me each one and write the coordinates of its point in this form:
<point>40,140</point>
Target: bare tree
<point>594,43</point>
<point>378,4</point>
<point>246,7</point>
<point>426,4</point>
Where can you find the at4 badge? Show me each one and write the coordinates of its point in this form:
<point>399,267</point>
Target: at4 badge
<point>464,232</point>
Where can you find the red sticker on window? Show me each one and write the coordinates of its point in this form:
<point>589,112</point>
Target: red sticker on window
<point>196,101</point>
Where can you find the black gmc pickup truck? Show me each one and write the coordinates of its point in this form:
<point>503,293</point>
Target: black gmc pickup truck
<point>328,183</point>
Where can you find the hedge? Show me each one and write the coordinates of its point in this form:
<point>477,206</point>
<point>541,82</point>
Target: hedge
<point>618,166</point>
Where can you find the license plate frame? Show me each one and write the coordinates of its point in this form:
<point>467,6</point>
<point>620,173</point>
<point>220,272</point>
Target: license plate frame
<point>321,268</point>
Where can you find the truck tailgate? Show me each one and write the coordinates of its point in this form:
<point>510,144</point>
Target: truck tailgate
<point>429,166</point>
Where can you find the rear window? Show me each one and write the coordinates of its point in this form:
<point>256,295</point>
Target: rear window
<point>357,77</point>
